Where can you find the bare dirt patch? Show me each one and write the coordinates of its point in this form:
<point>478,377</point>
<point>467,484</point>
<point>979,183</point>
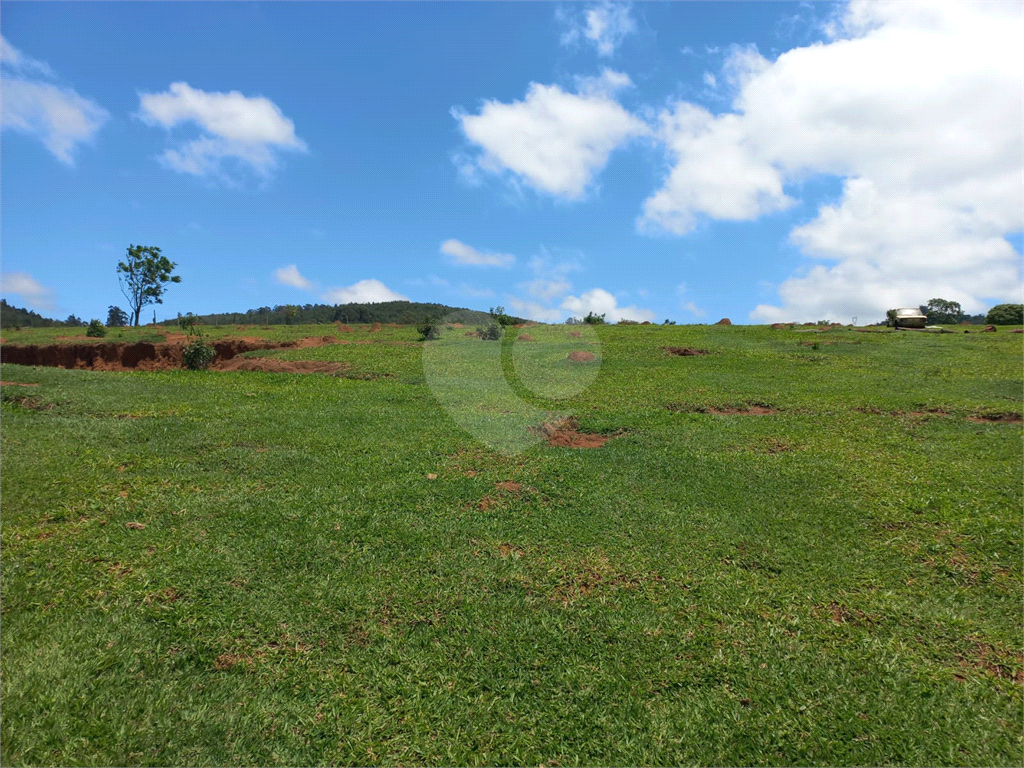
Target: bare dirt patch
<point>345,328</point>
<point>17,384</point>
<point>581,357</point>
<point>685,351</point>
<point>374,328</point>
<point>142,356</point>
<point>750,409</point>
<point>576,334</point>
<point>566,434</point>
<point>996,418</point>
<point>508,485</point>
<point>526,337</point>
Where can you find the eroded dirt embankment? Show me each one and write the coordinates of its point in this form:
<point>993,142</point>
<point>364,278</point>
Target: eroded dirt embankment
<point>138,356</point>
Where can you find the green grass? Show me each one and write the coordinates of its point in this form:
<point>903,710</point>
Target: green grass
<point>837,583</point>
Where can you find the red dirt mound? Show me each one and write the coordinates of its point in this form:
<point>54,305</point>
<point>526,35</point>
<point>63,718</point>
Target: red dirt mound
<point>374,328</point>
<point>581,357</point>
<point>566,434</point>
<point>526,337</point>
<point>781,326</point>
<point>1015,330</point>
<point>458,325</point>
<point>724,321</point>
<point>996,418</point>
<point>989,329</point>
<point>275,365</point>
<point>17,384</point>
<point>345,329</point>
<point>685,351</point>
<point>575,334</point>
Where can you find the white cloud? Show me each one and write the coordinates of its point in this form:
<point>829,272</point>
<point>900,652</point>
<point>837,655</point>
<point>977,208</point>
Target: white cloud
<point>249,129</point>
<point>465,254</point>
<point>59,117</point>
<point>604,26</point>
<point>13,59</point>
<point>916,106</point>
<point>290,276</point>
<point>548,290</point>
<point>694,309</point>
<point>709,80</point>
<point>27,288</point>
<point>553,140</point>
<point>531,310</point>
<point>601,302</point>
<point>363,292</point>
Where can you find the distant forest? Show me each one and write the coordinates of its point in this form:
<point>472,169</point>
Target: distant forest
<point>16,317</point>
<point>401,312</point>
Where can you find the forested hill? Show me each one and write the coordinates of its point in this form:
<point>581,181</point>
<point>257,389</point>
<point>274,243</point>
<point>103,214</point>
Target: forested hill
<point>401,312</point>
<point>16,317</point>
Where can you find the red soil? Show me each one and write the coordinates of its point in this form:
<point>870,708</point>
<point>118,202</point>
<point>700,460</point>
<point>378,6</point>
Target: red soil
<point>526,337</point>
<point>565,434</point>
<point>575,334</point>
<point>685,351</point>
<point>581,357</point>
<point>17,384</point>
<point>143,356</point>
<point>1000,418</point>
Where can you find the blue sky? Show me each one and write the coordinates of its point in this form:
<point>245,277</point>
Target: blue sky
<point>762,161</point>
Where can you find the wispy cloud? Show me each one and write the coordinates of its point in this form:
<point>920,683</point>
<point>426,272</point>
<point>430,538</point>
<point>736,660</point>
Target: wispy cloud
<point>461,253</point>
<point>251,130</point>
<point>290,276</point>
<point>605,26</point>
<point>57,116</point>
<point>27,288</point>
<point>363,292</point>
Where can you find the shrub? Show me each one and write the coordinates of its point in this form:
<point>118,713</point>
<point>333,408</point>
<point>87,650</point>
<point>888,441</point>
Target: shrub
<point>429,329</point>
<point>498,316</point>
<point>96,329</point>
<point>592,319</point>
<point>574,321</point>
<point>198,355</point>
<point>624,321</point>
<point>1005,314</point>
<point>492,332</point>
<point>669,322</point>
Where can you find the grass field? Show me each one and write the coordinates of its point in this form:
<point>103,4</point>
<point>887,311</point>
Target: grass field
<point>253,568</point>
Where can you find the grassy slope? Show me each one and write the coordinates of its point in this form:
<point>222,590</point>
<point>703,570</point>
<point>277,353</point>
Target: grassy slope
<point>825,585</point>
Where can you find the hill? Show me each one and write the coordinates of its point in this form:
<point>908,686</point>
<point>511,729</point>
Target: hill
<point>401,312</point>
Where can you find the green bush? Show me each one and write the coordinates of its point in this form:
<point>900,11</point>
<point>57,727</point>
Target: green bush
<point>592,319</point>
<point>498,316</point>
<point>1006,314</point>
<point>429,329</point>
<point>198,355</point>
<point>96,329</point>
<point>491,332</point>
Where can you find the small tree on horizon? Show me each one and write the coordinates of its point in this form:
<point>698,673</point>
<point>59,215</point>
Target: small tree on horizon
<point>116,317</point>
<point>143,277</point>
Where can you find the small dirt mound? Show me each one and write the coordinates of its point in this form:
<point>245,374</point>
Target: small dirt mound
<point>566,434</point>
<point>458,325</point>
<point>17,384</point>
<point>581,357</point>
<point>374,328</point>
<point>345,329</point>
<point>996,418</point>
<point>724,321</point>
<point>751,409</point>
<point>526,337</point>
<point>781,326</point>
<point>989,329</point>
<point>1015,330</point>
<point>576,334</point>
<point>685,351</point>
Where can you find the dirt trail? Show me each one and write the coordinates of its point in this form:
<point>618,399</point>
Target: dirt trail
<point>145,356</point>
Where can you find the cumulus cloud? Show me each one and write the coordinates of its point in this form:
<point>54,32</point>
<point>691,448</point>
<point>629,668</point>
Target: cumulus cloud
<point>27,288</point>
<point>363,292</point>
<point>554,141</point>
<point>533,310</point>
<point>249,129</point>
<point>465,254</point>
<point>290,275</point>
<point>57,116</point>
<point>601,302</point>
<point>604,26</point>
<point>916,107</point>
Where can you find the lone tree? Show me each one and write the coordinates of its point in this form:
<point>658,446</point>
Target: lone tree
<point>116,317</point>
<point>1005,314</point>
<point>942,312</point>
<point>144,276</point>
